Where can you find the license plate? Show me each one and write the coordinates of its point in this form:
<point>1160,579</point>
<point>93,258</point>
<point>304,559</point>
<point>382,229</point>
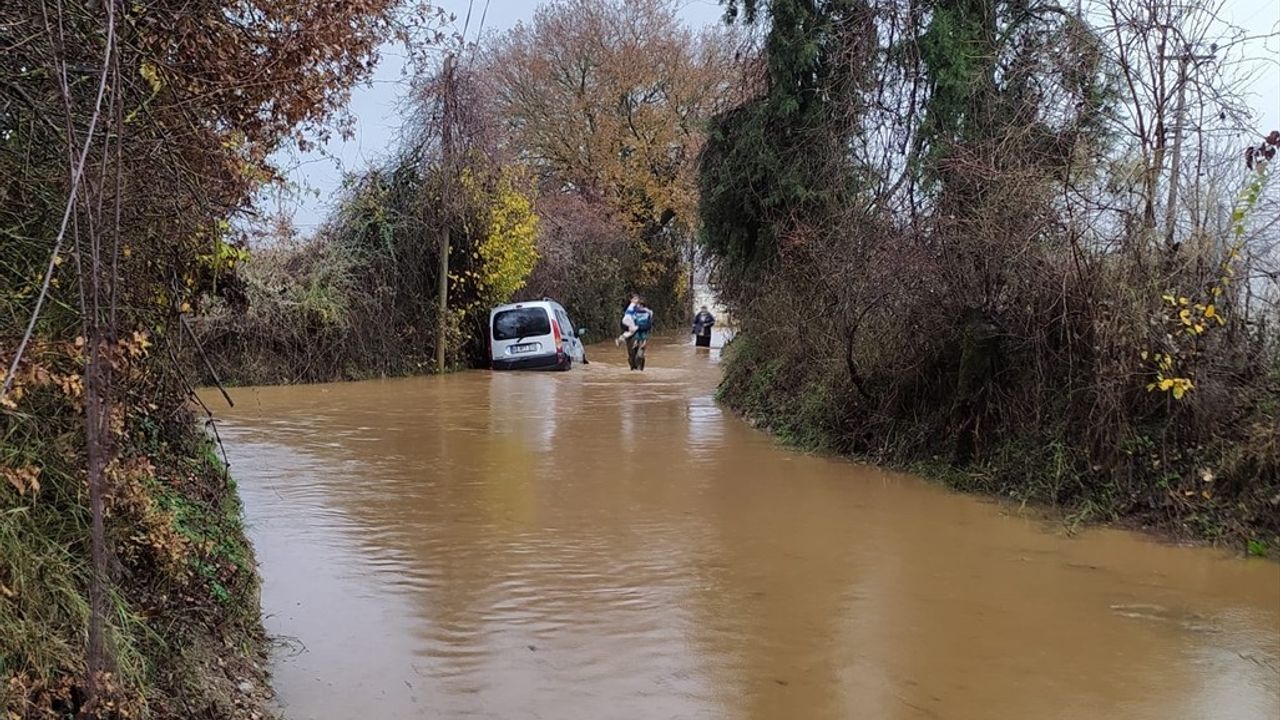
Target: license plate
<point>521,349</point>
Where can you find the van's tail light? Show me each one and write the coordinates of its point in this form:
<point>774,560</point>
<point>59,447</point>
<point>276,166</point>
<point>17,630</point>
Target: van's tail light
<point>555,331</point>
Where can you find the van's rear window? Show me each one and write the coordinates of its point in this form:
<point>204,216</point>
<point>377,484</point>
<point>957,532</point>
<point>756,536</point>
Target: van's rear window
<point>523,322</point>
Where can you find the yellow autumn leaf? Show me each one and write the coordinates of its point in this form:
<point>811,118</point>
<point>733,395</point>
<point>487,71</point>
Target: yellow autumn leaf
<point>1168,298</point>
<point>140,344</point>
<point>1184,301</point>
<point>1166,383</point>
<point>1185,316</point>
<point>1210,311</point>
<point>151,74</point>
<point>1178,392</point>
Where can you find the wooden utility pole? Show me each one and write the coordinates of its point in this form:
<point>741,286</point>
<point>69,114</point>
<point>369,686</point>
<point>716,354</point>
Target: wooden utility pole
<point>446,201</point>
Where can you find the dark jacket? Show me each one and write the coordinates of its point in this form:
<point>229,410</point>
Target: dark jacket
<point>702,323</point>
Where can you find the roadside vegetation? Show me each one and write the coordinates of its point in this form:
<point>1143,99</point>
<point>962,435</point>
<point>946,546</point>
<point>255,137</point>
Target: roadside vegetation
<point>560,158</point>
<point>1022,247</point>
<point>131,140</point>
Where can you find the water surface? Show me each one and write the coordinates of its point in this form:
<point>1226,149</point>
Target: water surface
<point>607,544</point>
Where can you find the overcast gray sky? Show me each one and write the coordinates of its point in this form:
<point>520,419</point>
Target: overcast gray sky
<point>316,176</point>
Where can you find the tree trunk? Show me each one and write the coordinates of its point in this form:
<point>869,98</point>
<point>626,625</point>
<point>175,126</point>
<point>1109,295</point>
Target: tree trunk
<point>978,354</point>
<point>98,449</point>
<point>442,326</point>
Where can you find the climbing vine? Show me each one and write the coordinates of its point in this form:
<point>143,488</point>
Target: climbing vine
<point>1189,317</point>
<point>778,155</point>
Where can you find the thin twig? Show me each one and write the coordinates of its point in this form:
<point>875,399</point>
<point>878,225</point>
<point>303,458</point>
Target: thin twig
<point>210,421</point>
<point>208,365</point>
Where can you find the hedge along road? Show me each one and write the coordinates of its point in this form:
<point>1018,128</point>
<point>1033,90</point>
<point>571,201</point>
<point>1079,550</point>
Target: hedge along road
<point>605,544</point>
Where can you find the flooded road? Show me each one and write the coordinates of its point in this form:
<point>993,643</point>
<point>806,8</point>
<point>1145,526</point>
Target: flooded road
<point>601,544</point>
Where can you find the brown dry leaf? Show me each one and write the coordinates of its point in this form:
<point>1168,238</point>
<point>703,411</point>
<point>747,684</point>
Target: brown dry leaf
<point>23,479</point>
<point>71,385</point>
<point>116,421</point>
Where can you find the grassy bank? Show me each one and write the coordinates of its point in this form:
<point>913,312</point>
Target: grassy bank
<point>182,623</point>
<point>1225,490</point>
<point>132,146</point>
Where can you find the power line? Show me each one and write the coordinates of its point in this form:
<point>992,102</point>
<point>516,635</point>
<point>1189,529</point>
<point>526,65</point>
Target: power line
<point>483,14</point>
<point>480,33</point>
<point>466,24</point>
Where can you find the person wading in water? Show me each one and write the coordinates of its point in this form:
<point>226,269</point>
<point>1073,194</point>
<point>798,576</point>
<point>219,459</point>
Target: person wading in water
<point>637,322</point>
<point>702,323</point>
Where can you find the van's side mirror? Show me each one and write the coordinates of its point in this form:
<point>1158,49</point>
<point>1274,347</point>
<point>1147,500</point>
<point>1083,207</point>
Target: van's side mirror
<point>582,332</point>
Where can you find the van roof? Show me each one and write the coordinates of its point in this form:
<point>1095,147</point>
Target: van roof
<point>543,303</point>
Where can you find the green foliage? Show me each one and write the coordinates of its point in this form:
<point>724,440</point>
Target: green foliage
<point>772,157</point>
<point>989,63</point>
<point>1257,548</point>
<point>959,55</point>
<point>803,404</point>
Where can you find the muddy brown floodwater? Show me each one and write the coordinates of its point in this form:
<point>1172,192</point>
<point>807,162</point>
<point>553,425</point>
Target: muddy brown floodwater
<point>601,544</point>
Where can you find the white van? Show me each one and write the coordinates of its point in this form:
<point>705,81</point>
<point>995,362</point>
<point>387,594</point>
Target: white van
<point>534,336</point>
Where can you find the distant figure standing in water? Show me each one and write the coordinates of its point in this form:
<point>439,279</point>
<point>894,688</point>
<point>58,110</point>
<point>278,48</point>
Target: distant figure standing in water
<point>702,323</point>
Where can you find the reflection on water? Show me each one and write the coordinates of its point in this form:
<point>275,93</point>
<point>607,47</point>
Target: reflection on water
<point>608,544</point>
